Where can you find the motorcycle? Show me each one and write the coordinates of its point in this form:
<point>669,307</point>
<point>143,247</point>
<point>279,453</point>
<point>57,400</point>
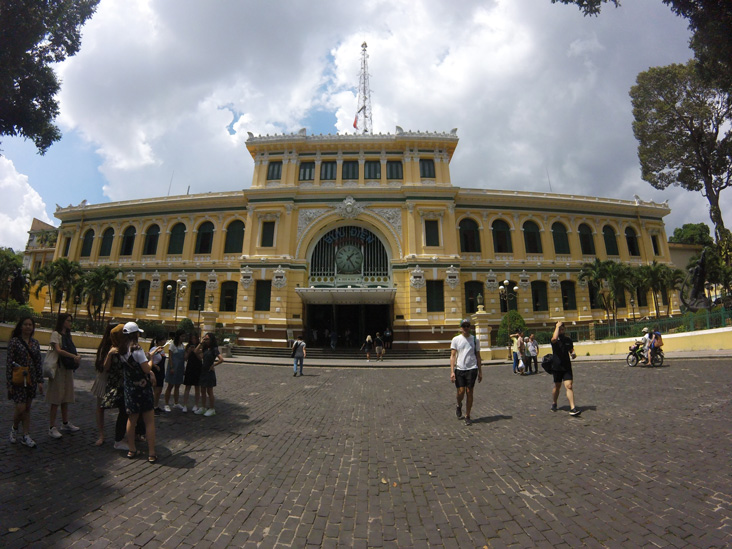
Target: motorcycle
<point>637,356</point>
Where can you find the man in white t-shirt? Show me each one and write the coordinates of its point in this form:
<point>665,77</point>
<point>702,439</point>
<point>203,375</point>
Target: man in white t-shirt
<point>465,367</point>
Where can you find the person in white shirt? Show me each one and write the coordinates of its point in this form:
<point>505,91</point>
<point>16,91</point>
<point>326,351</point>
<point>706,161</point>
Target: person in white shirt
<point>465,368</point>
<point>533,348</point>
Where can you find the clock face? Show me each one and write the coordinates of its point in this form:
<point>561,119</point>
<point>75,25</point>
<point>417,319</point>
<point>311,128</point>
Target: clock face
<point>349,259</point>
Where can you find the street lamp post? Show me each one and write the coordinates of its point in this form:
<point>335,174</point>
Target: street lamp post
<point>180,290</point>
<point>506,294</point>
<point>632,305</point>
<point>77,300</point>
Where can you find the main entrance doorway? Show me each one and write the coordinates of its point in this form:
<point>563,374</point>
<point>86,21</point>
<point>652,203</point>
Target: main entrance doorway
<point>352,323</point>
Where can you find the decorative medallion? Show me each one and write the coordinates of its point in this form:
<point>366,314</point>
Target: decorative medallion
<point>213,281</point>
<point>349,209</point>
<point>491,282</point>
<point>554,280</point>
<point>247,276</point>
<point>393,216</point>
<point>453,277</point>
<point>279,280</point>
<point>416,278</point>
<point>524,280</point>
<point>155,283</point>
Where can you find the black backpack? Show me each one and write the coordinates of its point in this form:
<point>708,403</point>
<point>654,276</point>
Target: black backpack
<point>547,362</point>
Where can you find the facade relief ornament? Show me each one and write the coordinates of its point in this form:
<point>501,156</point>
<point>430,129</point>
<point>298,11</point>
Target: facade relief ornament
<point>130,278</point>
<point>155,282</point>
<point>247,276</point>
<point>279,280</point>
<point>213,282</point>
<point>416,278</point>
<point>452,277</point>
<point>349,209</point>
<point>554,280</point>
<point>491,281</point>
<point>305,217</point>
<point>393,216</point>
<point>524,280</point>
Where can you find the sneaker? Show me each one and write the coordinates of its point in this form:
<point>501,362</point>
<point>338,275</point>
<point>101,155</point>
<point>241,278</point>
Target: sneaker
<point>167,409</point>
<point>294,375</point>
<point>53,432</point>
<point>210,412</point>
<point>194,409</point>
<point>575,412</point>
<point>179,406</point>
<point>121,445</point>
<point>554,407</point>
<point>200,411</point>
<point>184,409</point>
<point>459,412</point>
<point>27,441</point>
<point>13,435</point>
<point>468,421</point>
<point>70,427</point>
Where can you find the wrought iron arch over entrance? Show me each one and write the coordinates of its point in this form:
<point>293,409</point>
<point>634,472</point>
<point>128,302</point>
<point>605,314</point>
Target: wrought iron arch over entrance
<point>349,256</point>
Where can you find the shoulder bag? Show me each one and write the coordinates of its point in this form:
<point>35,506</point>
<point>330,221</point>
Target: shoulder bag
<point>67,345</point>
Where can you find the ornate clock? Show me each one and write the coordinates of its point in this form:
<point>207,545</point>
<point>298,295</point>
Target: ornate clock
<point>349,259</point>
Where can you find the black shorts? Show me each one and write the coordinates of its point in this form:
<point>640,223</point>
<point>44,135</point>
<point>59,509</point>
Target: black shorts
<point>466,378</point>
<point>564,375</point>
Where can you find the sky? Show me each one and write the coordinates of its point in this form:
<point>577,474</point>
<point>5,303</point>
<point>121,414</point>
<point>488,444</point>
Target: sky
<point>161,96</point>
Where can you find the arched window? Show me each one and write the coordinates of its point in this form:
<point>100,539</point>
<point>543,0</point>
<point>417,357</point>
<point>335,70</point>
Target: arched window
<point>539,297</point>
<point>227,302</point>
<point>472,289</point>
<point>105,249</point>
<point>569,299</point>
<point>143,294</point>
<point>177,239</point>
<point>532,238</point>
<point>128,241</point>
<point>204,239</point>
<point>561,242</point>
<point>632,240</point>
<point>587,242</point>
<point>501,237</point>
<point>151,240</point>
<point>86,245</point>
<point>611,243</point>
<point>469,236</point>
<point>198,296</point>
<point>234,237</point>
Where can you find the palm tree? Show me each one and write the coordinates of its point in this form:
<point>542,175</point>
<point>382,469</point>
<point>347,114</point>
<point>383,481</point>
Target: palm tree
<point>97,287</point>
<point>42,279</point>
<point>594,274</point>
<point>673,280</point>
<point>65,275</point>
<point>653,277</point>
<point>617,279</point>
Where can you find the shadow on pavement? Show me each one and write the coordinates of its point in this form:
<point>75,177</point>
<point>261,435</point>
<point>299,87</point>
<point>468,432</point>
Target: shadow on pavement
<point>491,419</point>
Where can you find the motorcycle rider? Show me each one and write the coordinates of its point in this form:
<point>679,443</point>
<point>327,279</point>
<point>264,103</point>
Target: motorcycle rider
<point>647,339</point>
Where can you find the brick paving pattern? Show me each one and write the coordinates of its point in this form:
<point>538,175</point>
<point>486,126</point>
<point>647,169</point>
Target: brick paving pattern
<point>376,458</point>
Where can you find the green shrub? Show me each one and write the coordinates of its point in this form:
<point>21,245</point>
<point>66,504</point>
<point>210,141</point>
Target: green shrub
<point>186,324</point>
<point>511,322</point>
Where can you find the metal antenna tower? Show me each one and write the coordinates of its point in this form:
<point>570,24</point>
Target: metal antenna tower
<point>363,114</point>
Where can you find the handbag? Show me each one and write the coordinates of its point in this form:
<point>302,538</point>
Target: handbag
<point>67,345</point>
<point>21,375</point>
<point>50,367</point>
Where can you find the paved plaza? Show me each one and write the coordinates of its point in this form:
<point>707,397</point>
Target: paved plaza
<point>356,457</point>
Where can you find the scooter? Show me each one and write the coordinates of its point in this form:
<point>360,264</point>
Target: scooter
<point>637,356</point>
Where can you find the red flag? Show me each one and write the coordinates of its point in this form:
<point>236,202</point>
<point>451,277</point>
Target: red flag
<point>355,121</point>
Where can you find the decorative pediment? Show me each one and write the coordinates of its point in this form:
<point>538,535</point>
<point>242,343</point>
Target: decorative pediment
<point>524,280</point>
<point>279,280</point>
<point>213,282</point>
<point>491,281</point>
<point>247,276</point>
<point>155,282</point>
<point>452,277</point>
<point>554,280</point>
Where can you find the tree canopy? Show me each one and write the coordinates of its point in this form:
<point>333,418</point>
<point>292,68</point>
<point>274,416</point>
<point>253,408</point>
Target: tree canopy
<point>684,132</point>
<point>33,35</point>
<point>692,233</point>
<point>710,22</point>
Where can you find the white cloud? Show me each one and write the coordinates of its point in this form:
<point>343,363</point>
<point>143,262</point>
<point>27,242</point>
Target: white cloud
<point>20,204</point>
<point>533,87</point>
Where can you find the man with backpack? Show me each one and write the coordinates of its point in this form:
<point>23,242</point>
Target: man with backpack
<point>465,367</point>
<point>298,354</point>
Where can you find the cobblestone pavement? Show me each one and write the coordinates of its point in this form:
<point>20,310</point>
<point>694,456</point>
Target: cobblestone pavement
<point>376,458</point>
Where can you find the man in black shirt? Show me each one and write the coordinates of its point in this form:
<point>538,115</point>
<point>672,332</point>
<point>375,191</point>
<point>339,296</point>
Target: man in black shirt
<point>563,350</point>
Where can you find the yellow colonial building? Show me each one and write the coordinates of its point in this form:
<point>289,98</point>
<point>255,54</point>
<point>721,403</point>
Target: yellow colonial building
<point>355,233</point>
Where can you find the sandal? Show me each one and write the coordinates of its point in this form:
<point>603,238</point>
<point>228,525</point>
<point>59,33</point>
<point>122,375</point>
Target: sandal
<point>99,442</point>
<point>152,459</point>
<point>133,454</point>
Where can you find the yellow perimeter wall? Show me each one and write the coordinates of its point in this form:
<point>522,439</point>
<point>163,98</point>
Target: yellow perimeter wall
<point>718,339</point>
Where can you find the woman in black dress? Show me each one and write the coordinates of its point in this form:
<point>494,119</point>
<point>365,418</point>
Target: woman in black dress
<point>24,351</point>
<point>193,373</point>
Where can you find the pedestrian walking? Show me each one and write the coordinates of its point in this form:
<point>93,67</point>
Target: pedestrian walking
<point>388,338</point>
<point>532,346</point>
<point>23,357</point>
<point>379,347</point>
<point>138,389</point>
<point>563,351</point>
<point>210,356</point>
<point>176,370</point>
<point>99,387</point>
<point>61,386</point>
<point>465,368</point>
<point>367,346</point>
<point>192,375</point>
<point>298,354</point>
